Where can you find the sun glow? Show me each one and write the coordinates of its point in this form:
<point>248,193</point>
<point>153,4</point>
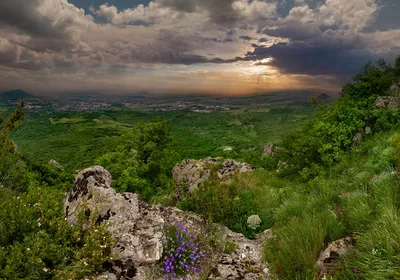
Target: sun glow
<point>260,67</point>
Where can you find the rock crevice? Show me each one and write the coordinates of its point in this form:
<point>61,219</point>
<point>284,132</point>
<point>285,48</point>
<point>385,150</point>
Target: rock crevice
<point>139,231</point>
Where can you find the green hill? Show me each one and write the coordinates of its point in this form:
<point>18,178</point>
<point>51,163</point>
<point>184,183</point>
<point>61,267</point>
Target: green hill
<point>14,95</point>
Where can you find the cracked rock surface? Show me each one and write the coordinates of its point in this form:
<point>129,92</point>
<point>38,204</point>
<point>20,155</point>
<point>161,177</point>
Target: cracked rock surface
<point>190,173</point>
<point>139,231</point>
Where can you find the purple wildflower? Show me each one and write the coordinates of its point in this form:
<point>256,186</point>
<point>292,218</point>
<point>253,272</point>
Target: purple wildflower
<point>183,251</point>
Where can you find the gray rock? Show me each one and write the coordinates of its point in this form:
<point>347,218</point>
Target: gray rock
<point>55,164</point>
<point>190,173</point>
<point>395,88</point>
<point>332,255</point>
<point>387,102</point>
<point>139,231</point>
<point>368,130</point>
<point>357,138</point>
<point>247,254</point>
<point>231,167</point>
<point>269,150</point>
<point>106,276</point>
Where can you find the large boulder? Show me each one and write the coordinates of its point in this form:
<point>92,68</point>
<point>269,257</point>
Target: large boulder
<point>190,173</point>
<point>333,254</point>
<point>395,88</point>
<point>387,102</point>
<point>139,231</point>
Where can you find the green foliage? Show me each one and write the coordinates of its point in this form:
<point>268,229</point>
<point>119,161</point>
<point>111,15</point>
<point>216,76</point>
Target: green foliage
<point>377,251</point>
<point>123,166</point>
<point>11,167</point>
<point>397,66</point>
<point>348,200</point>
<point>144,161</point>
<point>232,203</point>
<point>35,240</point>
<point>230,247</point>
<point>222,204</point>
<point>325,139</point>
<point>77,139</point>
<point>375,79</point>
<point>296,244</point>
<point>37,243</point>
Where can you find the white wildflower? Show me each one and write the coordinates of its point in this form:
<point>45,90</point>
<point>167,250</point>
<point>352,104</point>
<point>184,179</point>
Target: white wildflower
<point>253,222</point>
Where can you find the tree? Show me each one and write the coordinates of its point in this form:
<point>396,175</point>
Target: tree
<point>397,66</point>
<point>143,162</point>
<point>11,167</point>
<point>325,139</point>
<point>375,79</point>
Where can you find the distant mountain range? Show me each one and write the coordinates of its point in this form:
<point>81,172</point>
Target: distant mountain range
<point>15,95</point>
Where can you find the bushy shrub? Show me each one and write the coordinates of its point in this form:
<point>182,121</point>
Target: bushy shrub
<point>325,139</point>
<point>37,243</point>
<point>35,240</point>
<point>223,204</point>
<point>143,162</point>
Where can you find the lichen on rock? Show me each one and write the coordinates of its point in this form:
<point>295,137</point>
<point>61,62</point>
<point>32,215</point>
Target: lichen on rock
<point>139,231</point>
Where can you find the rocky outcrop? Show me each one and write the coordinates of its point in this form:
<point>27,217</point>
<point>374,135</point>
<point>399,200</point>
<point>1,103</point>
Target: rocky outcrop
<point>139,231</point>
<point>269,150</point>
<point>247,252</point>
<point>332,255</point>
<point>357,138</point>
<point>231,167</point>
<point>190,173</point>
<point>387,102</point>
<point>54,163</point>
<point>395,88</point>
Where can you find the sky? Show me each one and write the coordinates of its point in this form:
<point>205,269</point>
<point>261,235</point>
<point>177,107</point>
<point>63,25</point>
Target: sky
<point>232,47</point>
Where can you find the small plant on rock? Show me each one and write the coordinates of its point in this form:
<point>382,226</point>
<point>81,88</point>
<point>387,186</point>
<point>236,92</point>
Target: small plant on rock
<point>182,253</point>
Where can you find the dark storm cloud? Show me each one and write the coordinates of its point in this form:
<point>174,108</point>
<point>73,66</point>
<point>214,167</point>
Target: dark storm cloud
<point>50,25</point>
<point>302,58</point>
<point>246,38</point>
<point>294,31</point>
<point>22,15</point>
<point>309,37</point>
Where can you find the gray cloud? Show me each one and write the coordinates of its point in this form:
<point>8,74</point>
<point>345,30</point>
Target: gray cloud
<point>295,31</point>
<point>301,58</point>
<point>308,37</point>
<point>246,38</point>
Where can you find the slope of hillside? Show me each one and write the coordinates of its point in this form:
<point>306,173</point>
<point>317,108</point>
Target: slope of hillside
<point>15,95</point>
